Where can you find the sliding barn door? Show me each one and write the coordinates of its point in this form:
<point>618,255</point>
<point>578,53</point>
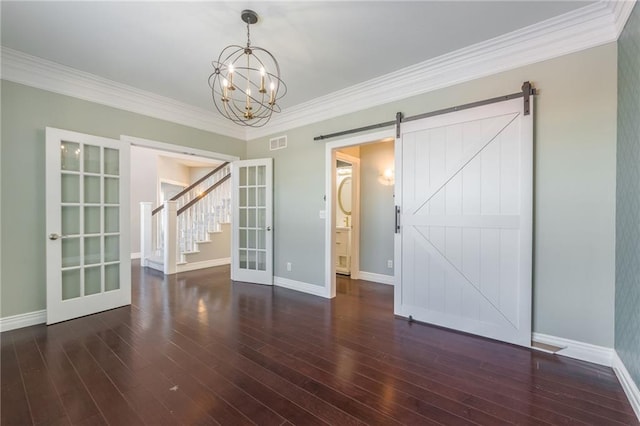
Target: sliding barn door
<point>465,221</point>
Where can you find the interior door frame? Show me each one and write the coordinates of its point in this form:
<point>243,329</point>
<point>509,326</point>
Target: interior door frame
<point>329,212</point>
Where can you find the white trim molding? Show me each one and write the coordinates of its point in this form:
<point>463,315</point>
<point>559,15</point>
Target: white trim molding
<point>33,71</point>
<point>177,149</point>
<point>316,290</point>
<point>376,278</point>
<point>590,26</point>
<point>23,320</point>
<point>192,266</point>
<point>629,386</point>
<point>578,350</point>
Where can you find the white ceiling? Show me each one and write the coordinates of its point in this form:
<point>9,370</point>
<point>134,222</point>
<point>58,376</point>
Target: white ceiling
<point>322,46</point>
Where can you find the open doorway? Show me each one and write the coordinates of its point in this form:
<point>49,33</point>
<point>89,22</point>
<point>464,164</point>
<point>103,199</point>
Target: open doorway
<point>360,216</point>
<point>202,234</point>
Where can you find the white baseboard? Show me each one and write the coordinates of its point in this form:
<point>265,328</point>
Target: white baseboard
<point>578,350</point>
<point>376,278</point>
<point>192,266</point>
<point>23,320</point>
<point>629,386</point>
<point>135,256</point>
<point>303,287</point>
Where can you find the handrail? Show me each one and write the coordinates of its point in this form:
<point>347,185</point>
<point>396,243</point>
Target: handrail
<point>203,194</point>
<point>190,187</point>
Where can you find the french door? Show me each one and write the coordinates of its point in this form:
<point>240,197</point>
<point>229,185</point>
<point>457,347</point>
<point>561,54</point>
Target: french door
<point>465,221</point>
<point>87,224</point>
<point>252,236</point>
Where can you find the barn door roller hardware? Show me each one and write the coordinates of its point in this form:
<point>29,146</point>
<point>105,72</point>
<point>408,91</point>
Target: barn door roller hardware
<point>526,92</point>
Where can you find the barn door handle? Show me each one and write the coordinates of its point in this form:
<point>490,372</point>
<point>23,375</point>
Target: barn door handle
<point>397,225</point>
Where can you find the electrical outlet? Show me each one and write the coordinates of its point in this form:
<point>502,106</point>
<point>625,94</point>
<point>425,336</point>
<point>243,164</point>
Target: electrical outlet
<point>389,263</point>
<point>289,266</point>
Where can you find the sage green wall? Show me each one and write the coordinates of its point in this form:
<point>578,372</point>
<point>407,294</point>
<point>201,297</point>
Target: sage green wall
<point>25,114</point>
<point>575,172</point>
<point>628,198</point>
<point>376,208</point>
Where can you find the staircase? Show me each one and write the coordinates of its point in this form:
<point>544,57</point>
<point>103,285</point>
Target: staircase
<point>192,230</point>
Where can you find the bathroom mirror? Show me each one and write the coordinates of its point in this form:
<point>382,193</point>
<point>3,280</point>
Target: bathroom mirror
<point>344,195</point>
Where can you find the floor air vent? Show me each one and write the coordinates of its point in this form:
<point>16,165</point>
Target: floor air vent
<point>278,143</point>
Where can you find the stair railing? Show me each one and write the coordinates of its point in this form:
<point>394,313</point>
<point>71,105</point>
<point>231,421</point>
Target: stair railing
<point>186,218</point>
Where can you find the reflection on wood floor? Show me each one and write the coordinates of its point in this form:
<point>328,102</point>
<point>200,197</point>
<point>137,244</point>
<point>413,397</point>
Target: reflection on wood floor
<point>197,349</point>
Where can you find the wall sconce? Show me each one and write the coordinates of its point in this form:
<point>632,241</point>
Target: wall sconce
<point>387,177</point>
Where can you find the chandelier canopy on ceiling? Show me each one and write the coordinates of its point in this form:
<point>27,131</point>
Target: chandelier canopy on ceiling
<point>245,83</point>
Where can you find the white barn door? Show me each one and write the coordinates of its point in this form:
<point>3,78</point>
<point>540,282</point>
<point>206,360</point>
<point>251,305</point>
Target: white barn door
<point>465,218</point>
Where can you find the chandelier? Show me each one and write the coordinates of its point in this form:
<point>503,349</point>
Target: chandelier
<point>245,83</point>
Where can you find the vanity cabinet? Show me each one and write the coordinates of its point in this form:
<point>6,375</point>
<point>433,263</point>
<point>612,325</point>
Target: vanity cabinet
<point>343,250</point>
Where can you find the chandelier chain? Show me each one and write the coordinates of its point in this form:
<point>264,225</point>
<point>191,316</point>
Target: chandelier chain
<point>248,36</point>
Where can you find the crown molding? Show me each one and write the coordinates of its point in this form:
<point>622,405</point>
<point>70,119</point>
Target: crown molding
<point>22,68</point>
<point>621,10</point>
<point>581,29</point>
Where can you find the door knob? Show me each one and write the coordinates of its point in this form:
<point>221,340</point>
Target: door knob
<point>268,228</point>
<point>54,236</point>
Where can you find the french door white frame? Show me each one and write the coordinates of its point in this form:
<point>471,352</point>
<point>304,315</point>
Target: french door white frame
<point>330,214</point>
<point>59,308</point>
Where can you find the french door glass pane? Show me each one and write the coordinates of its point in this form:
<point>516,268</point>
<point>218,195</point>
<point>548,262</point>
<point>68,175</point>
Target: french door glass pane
<point>251,197</point>
<point>262,180</point>
<point>262,261</point>
<point>243,218</point>
<point>92,220</point>
<point>242,256</point>
<point>112,277</point>
<point>251,243</point>
<point>111,219</point>
<point>91,250</point>
<point>111,162</point>
<point>252,259</point>
<point>70,156</point>
<point>70,252</point>
<point>242,172</point>
<point>251,213</point>
<point>111,190</point>
<point>92,280</point>
<point>70,220</point>
<point>251,176</point>
<point>70,284</point>
<point>111,248</point>
<point>70,188</point>
<point>91,159</point>
<point>91,189</point>
<point>243,238</point>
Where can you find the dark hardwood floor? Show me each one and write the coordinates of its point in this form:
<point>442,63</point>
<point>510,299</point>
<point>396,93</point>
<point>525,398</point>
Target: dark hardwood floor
<point>197,349</point>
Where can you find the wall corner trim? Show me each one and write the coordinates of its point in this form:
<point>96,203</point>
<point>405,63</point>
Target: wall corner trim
<point>376,278</point>
<point>23,320</point>
<point>316,290</point>
<point>629,386</point>
<point>578,350</point>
